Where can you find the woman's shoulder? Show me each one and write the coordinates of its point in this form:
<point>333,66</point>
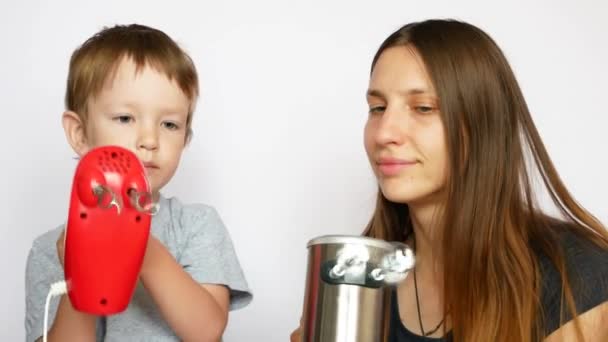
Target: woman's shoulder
<point>584,258</point>
<point>586,264</point>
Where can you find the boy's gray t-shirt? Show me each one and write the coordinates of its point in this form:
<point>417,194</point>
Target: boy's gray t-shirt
<point>196,237</point>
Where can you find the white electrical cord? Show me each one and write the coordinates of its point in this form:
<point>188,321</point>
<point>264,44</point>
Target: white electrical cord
<point>57,288</point>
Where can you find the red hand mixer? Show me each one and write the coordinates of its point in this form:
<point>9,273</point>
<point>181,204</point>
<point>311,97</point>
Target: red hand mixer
<point>107,230</point>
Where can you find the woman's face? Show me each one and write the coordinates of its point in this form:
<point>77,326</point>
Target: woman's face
<point>404,134</point>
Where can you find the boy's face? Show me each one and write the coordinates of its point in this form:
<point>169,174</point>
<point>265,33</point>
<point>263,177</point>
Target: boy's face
<point>145,113</point>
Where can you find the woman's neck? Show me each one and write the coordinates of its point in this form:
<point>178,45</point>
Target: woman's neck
<point>427,237</point>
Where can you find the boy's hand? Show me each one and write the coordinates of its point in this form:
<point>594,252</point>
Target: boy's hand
<point>194,311</point>
<point>151,251</point>
<point>60,245</point>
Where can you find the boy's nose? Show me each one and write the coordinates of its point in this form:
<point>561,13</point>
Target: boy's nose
<point>148,140</point>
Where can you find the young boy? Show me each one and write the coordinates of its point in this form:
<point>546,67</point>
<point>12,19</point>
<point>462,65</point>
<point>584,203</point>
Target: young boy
<point>132,86</point>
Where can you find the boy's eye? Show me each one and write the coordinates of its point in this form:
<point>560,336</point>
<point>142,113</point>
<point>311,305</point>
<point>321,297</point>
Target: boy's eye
<point>123,118</point>
<point>170,125</point>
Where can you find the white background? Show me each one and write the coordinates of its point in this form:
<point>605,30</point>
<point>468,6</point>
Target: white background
<point>278,134</point>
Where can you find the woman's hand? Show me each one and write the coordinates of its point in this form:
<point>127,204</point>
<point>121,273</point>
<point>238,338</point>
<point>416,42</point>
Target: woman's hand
<point>296,335</point>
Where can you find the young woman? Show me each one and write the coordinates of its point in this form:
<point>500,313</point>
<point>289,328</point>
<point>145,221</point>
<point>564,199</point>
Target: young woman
<point>455,152</point>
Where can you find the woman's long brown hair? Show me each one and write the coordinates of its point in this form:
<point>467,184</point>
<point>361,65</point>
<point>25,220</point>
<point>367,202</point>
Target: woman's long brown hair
<point>493,228</point>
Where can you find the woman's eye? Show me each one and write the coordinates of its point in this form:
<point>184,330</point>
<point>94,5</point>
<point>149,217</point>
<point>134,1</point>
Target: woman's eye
<point>376,109</point>
<point>424,109</point>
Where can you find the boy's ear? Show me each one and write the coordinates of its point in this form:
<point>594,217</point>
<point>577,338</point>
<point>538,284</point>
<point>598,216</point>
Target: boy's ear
<point>75,132</point>
<point>188,137</point>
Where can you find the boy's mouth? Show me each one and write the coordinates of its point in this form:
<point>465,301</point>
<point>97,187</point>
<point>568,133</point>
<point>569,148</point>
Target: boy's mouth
<point>150,165</point>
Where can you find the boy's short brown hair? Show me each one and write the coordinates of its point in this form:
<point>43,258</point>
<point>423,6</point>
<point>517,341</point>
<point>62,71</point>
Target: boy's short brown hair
<point>98,58</point>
